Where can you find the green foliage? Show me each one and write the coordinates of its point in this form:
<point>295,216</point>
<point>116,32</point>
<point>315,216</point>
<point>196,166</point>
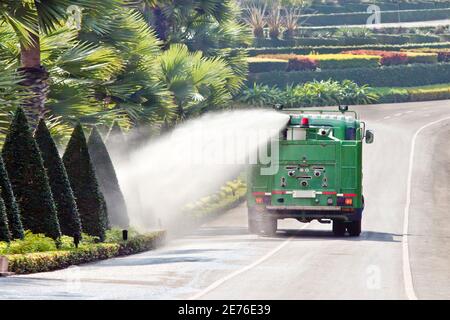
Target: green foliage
<point>12,210</point>
<point>107,179</point>
<point>30,243</point>
<point>69,219</point>
<point>5,234</point>
<point>323,93</point>
<point>90,200</point>
<point>28,178</point>
<point>402,75</point>
<point>198,83</point>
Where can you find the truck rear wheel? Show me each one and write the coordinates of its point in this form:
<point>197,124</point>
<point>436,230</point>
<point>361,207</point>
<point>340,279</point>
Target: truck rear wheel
<point>253,224</point>
<point>338,228</point>
<point>354,228</point>
<point>269,226</point>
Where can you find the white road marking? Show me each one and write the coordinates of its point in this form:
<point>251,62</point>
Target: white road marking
<point>387,117</point>
<point>219,282</point>
<point>410,111</point>
<point>407,276</point>
<point>398,114</point>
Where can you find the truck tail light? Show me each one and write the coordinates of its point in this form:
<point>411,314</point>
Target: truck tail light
<point>344,201</point>
<point>262,198</point>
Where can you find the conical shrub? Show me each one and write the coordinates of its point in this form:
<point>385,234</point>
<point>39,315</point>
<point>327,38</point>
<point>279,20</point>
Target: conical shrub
<point>12,210</point>
<point>28,178</point>
<point>107,178</point>
<point>69,219</point>
<point>88,196</point>
<point>116,143</point>
<point>4,228</point>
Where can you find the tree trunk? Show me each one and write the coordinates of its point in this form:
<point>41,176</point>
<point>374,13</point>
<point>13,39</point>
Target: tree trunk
<point>161,24</point>
<point>35,78</point>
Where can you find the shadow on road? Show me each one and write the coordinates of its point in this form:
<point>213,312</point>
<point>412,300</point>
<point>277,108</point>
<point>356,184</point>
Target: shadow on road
<point>326,234</point>
<point>296,234</point>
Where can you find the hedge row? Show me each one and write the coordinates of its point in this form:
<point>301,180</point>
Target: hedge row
<point>443,54</point>
<point>256,65</point>
<point>333,61</point>
<point>346,41</point>
<point>360,18</point>
<point>338,49</point>
<point>53,260</point>
<point>395,95</point>
<point>384,6</point>
<point>395,76</point>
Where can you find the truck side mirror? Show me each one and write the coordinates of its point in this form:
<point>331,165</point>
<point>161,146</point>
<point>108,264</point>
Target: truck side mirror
<point>369,136</point>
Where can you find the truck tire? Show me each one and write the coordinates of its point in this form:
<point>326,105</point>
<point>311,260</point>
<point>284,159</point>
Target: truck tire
<point>269,226</point>
<point>354,228</point>
<point>338,228</point>
<point>253,223</point>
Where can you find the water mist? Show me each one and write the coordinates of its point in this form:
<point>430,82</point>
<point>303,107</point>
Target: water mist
<point>192,161</point>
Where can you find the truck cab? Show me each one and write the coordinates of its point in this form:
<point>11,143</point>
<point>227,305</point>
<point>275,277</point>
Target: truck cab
<point>319,174</point>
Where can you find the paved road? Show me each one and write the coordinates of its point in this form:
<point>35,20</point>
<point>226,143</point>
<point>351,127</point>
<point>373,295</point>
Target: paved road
<point>222,261</point>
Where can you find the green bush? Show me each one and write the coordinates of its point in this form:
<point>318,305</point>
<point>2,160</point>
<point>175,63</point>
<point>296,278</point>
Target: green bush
<point>29,180</point>
<point>336,49</point>
<point>393,76</point>
<point>256,65</point>
<point>68,216</point>
<point>90,200</point>
<point>107,179</point>
<point>360,18</point>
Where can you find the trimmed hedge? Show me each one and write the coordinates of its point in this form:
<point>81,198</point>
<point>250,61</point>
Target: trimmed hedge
<point>421,57</point>
<point>53,260</point>
<point>379,39</point>
<point>256,65</point>
<point>336,49</point>
<point>402,75</point>
<point>334,61</point>
<point>443,55</point>
<point>360,18</point>
<point>395,95</point>
<point>346,6</point>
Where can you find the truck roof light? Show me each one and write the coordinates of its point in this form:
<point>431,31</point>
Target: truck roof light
<point>304,122</point>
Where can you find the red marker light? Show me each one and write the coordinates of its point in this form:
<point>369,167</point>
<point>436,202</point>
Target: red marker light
<point>305,122</point>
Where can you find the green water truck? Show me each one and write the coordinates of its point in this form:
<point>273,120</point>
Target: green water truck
<point>318,176</point>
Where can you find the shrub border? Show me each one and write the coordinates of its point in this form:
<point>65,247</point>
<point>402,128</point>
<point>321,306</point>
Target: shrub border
<point>55,260</point>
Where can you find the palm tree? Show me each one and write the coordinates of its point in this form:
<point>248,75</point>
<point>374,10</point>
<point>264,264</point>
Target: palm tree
<point>31,20</point>
<point>197,82</point>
